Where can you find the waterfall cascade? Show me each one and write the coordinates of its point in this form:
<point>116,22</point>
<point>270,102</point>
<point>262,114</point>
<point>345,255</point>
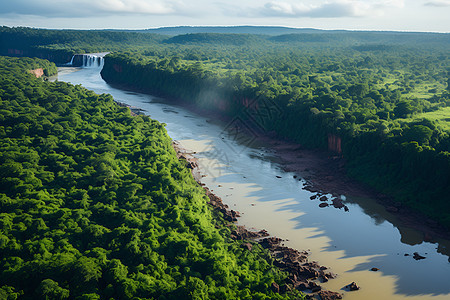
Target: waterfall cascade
<point>94,60</point>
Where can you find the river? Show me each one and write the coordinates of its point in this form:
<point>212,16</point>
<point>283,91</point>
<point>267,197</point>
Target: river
<point>250,180</point>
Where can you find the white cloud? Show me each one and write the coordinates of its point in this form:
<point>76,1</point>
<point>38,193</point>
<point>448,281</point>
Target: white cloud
<point>438,3</point>
<point>136,6</point>
<point>329,9</point>
<point>81,8</point>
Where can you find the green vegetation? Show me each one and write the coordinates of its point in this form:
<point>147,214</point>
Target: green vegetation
<point>94,204</point>
<point>378,99</point>
<point>381,93</point>
<point>60,45</point>
<point>440,117</point>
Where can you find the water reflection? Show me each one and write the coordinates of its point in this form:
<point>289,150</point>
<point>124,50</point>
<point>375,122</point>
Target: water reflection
<point>362,233</point>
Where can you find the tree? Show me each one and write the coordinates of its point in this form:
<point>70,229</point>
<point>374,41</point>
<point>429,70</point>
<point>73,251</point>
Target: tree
<point>49,289</point>
<point>403,109</point>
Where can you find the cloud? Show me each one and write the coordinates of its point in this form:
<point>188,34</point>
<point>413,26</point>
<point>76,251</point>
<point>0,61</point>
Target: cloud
<point>136,6</point>
<point>438,3</point>
<point>328,9</point>
<point>86,8</point>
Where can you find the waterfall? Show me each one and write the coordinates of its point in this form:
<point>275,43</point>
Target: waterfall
<point>94,60</point>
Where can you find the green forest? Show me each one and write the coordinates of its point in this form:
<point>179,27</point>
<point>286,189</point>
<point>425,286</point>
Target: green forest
<point>387,104</point>
<point>95,204</point>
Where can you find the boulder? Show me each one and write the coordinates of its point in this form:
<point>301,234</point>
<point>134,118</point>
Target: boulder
<point>302,286</point>
<point>323,198</point>
<point>417,256</point>
<point>337,203</point>
<point>314,287</point>
<point>352,286</point>
<point>323,204</point>
<point>327,295</point>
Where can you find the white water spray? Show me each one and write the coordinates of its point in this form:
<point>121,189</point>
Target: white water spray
<point>94,60</point>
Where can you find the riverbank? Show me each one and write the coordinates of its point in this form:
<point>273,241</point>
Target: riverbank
<point>304,275</point>
<point>324,171</point>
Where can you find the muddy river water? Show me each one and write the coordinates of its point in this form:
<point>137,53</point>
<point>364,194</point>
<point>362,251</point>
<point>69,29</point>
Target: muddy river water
<point>250,180</point>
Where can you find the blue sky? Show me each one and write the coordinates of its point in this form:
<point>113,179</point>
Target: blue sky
<point>403,15</point>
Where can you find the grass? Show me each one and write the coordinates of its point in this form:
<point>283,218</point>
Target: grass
<point>440,116</point>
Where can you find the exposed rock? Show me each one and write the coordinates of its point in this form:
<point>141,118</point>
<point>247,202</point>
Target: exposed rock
<point>270,242</point>
<point>323,198</point>
<point>327,295</point>
<point>352,286</point>
<point>303,286</point>
<point>306,272</point>
<point>313,197</point>
<point>241,233</point>
<point>278,176</point>
<point>417,256</point>
<point>312,264</point>
<point>337,203</point>
<point>323,204</point>
<point>310,188</point>
<point>247,246</point>
<point>216,202</point>
<point>346,208</point>
<point>314,287</point>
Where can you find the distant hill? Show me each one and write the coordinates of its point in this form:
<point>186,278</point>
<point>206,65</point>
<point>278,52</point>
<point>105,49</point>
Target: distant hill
<point>215,38</point>
<point>288,34</point>
<point>267,30</point>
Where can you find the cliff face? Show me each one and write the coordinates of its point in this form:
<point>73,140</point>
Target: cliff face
<point>334,143</point>
<point>37,72</point>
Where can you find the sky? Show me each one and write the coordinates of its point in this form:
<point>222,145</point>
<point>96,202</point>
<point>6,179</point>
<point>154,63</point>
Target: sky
<point>399,15</point>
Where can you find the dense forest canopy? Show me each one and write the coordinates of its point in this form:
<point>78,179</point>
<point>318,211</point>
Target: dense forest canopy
<point>384,95</point>
<point>95,204</point>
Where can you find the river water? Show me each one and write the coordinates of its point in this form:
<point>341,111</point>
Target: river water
<point>250,181</point>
